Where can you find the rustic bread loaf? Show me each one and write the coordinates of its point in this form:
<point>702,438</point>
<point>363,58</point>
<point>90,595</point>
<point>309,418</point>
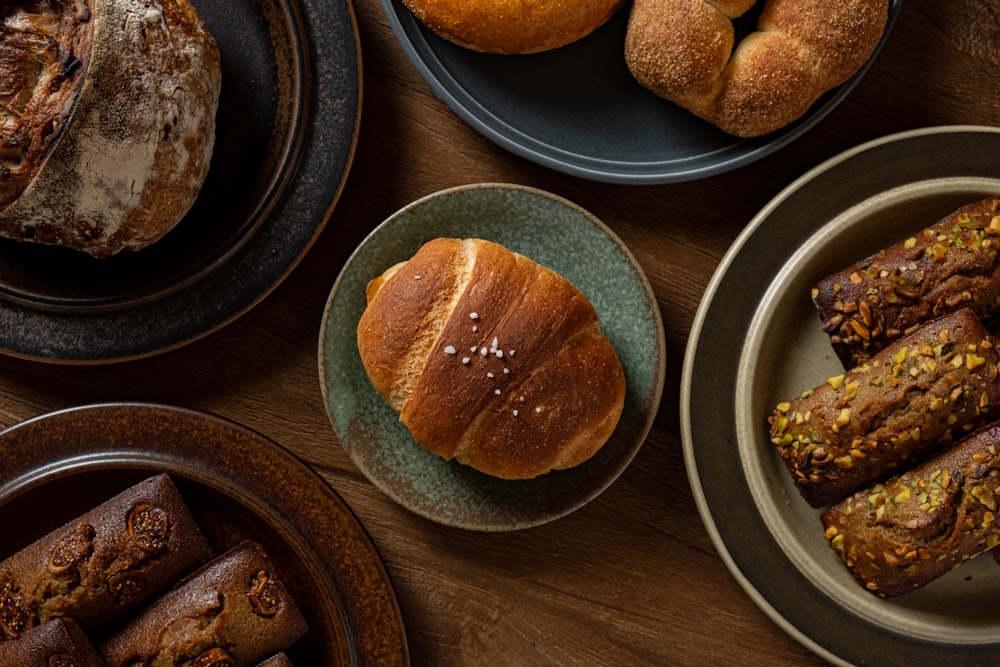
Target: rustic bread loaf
<point>683,50</point>
<point>513,26</point>
<point>949,265</point>
<point>234,611</point>
<point>901,534</point>
<point>923,392</point>
<point>491,359</point>
<point>106,562</point>
<point>57,643</point>
<point>106,139</point>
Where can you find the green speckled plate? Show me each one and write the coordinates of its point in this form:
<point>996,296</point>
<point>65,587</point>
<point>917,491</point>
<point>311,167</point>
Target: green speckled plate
<point>554,233</point>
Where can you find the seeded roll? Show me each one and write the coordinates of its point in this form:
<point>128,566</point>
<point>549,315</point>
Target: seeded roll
<point>945,267</point>
<point>902,534</point>
<point>922,393</point>
<point>233,612</point>
<point>57,643</point>
<point>108,561</point>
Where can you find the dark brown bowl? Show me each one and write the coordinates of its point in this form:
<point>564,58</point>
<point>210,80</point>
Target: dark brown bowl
<point>238,485</point>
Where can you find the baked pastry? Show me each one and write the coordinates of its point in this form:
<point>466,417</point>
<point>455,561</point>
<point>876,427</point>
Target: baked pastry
<point>106,138</point>
<point>106,562</point>
<point>513,26</point>
<point>949,265</point>
<point>234,611</point>
<point>57,643</point>
<point>491,359</point>
<point>279,660</point>
<point>899,535</point>
<point>686,51</point>
<point>920,394</point>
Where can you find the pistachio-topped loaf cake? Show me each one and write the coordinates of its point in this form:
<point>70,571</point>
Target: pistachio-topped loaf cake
<point>947,266</point>
<point>923,392</point>
<point>901,534</point>
<point>108,561</point>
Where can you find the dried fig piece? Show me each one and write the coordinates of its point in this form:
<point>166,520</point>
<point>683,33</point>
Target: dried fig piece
<point>263,594</point>
<point>72,549</point>
<point>149,527</point>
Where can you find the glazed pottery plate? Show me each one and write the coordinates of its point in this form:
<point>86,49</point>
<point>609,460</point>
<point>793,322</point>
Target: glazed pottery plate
<point>757,341</point>
<point>286,131</point>
<point>556,234</point>
<point>579,110</point>
<point>238,485</point>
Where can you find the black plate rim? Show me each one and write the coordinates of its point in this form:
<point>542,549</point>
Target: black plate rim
<point>329,134</point>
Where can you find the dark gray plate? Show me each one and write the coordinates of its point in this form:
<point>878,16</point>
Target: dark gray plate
<point>578,109</point>
<point>757,340</point>
<point>287,127</point>
<point>238,486</point>
<point>554,233</point>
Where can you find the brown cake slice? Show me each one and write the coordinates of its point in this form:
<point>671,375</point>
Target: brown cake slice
<point>58,643</point>
<point>943,268</point>
<point>234,611</point>
<point>898,536</point>
<point>106,562</point>
<point>924,392</point>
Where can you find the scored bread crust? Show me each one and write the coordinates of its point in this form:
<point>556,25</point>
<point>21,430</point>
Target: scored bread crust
<point>513,26</point>
<point>491,359</point>
<point>133,144</point>
<point>686,51</point>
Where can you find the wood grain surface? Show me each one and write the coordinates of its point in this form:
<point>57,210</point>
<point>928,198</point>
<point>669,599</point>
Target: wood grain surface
<point>632,578</point>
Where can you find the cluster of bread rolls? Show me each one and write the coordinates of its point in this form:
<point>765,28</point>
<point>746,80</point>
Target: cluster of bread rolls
<point>491,359</point>
<point>105,138</point>
<point>687,51</point>
<point>905,445</point>
<point>133,581</point>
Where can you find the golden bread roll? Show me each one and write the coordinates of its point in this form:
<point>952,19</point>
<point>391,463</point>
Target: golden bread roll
<point>105,137</point>
<point>513,26</point>
<point>685,51</point>
<point>491,359</point>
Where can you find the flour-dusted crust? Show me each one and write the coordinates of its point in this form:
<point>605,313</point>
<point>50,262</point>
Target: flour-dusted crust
<point>134,141</point>
<point>513,26</point>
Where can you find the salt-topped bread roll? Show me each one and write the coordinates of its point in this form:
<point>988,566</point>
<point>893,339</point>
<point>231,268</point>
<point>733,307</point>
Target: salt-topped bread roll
<point>107,120</point>
<point>491,359</point>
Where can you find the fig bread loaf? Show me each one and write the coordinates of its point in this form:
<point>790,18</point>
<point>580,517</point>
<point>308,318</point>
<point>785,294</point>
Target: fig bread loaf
<point>107,120</point>
<point>235,610</point>
<point>491,359</point>
<point>925,391</point>
<point>950,265</point>
<point>915,527</point>
<point>56,643</point>
<point>103,564</point>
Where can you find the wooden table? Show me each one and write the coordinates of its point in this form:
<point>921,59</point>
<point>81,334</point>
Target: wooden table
<point>632,578</point>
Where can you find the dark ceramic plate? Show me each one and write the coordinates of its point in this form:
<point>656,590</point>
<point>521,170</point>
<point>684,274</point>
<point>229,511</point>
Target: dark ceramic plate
<point>553,232</point>
<point>238,485</point>
<point>757,340</point>
<point>287,127</point>
<point>578,109</point>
